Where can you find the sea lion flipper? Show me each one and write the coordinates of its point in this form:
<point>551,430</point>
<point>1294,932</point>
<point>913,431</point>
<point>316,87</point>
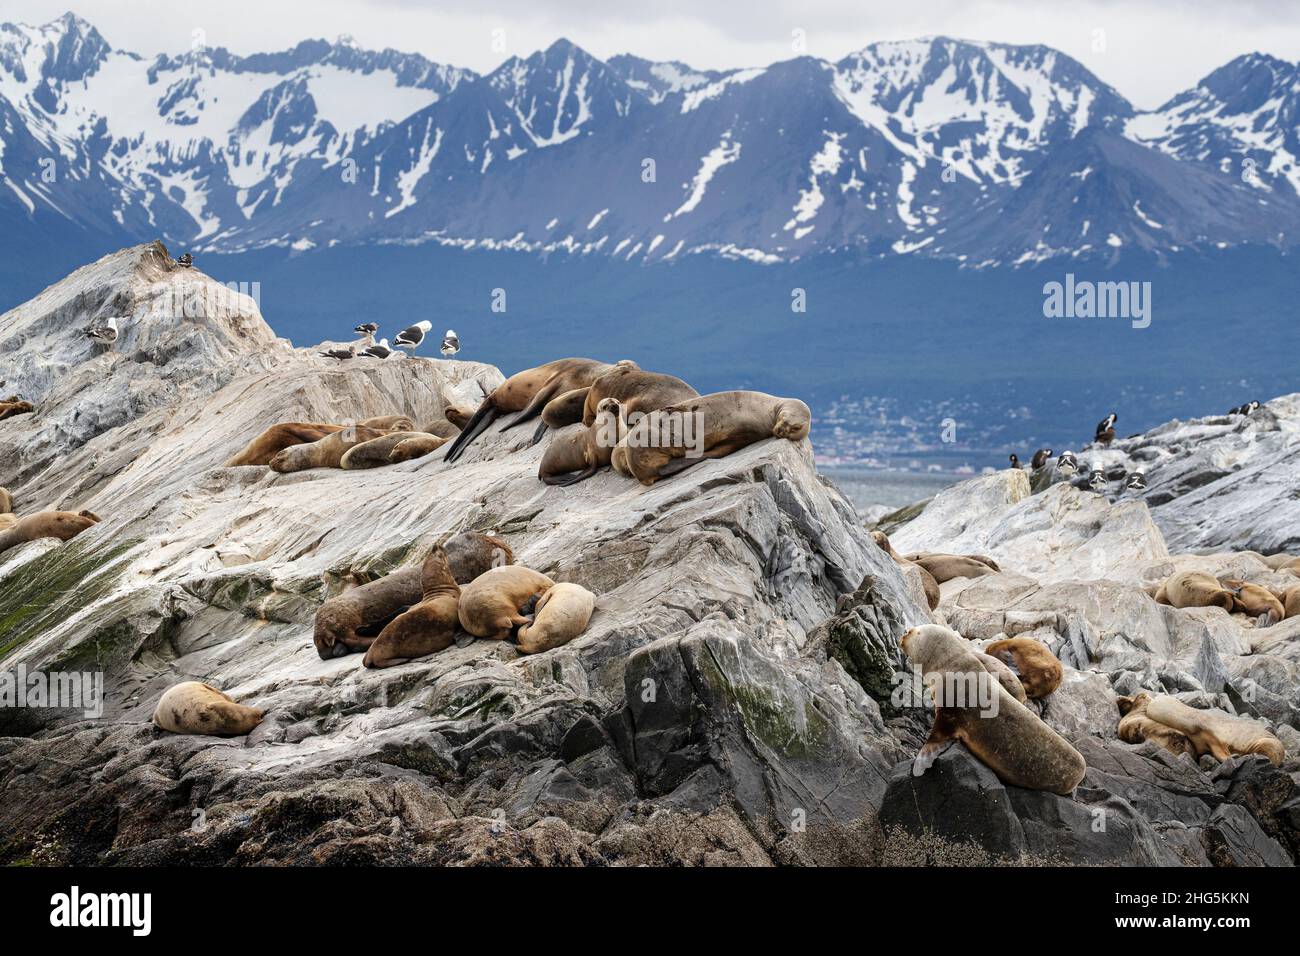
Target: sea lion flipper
<point>487,413</point>
<point>572,478</point>
<point>942,736</point>
<point>540,433</point>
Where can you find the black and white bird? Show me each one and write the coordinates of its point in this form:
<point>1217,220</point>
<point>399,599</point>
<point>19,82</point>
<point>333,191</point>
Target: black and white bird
<point>1106,429</point>
<point>340,354</point>
<point>1015,461</point>
<point>1244,409</point>
<point>380,351</point>
<point>367,332</point>
<point>104,332</point>
<point>410,338</point>
<point>1136,481</point>
<point>1067,464</point>
<point>1040,458</point>
<point>185,261</point>
<point>450,343</point>
<point>1097,479</point>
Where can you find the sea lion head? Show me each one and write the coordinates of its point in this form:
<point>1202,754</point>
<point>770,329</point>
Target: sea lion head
<point>627,363</point>
<point>283,459</point>
<point>1138,701</point>
<point>925,644</point>
<point>793,419</point>
<point>65,524</point>
<point>882,540</point>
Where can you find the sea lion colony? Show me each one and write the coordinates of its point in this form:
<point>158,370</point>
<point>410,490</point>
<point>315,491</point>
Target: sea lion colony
<point>651,426</point>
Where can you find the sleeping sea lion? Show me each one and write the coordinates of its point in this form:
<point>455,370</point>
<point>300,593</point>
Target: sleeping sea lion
<point>426,628</point>
<point>196,708</point>
<point>1210,731</point>
<point>63,525</point>
<point>490,605</point>
<point>562,614</point>
<point>1037,668</point>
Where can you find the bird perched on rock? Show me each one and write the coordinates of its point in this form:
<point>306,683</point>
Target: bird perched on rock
<point>380,351</point>
<point>410,338</point>
<point>450,343</point>
<point>1244,409</point>
<point>1040,458</point>
<point>340,354</point>
<point>1015,461</point>
<point>1097,479</point>
<point>1106,429</point>
<point>1067,464</point>
<point>185,261</point>
<point>104,332</point>
<point>367,332</point>
<point>1136,481</point>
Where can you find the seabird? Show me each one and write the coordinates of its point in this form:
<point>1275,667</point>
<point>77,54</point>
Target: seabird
<point>1015,462</point>
<point>410,338</point>
<point>1097,479</point>
<point>1137,481</point>
<point>105,332</point>
<point>340,354</point>
<point>367,329</point>
<point>1106,429</point>
<point>1244,409</point>
<point>185,261</point>
<point>380,351</point>
<point>1040,458</point>
<point>450,343</point>
<point>1067,464</point>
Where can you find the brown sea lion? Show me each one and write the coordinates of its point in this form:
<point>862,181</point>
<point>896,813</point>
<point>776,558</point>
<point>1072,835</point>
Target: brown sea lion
<point>1135,727</point>
<point>196,708</point>
<point>390,423</point>
<point>562,614</point>
<point>63,525</point>
<point>1008,738</point>
<point>426,628</point>
<point>928,583</point>
<point>8,521</point>
<point>1037,668</point>
<point>527,392</point>
<point>1290,598</point>
<point>6,502</point>
<point>636,391</point>
<point>458,415</point>
<point>10,409</point>
<point>417,446</point>
<point>442,429</point>
<point>564,409</point>
<point>352,620</point>
<point>672,439</point>
<point>1210,731</point>
<point>327,452</point>
<point>946,567</point>
<point>1003,673</point>
<point>491,605</point>
<point>1194,589</point>
<point>580,454</point>
<point>264,447</point>
<point>377,452</point>
<point>1258,602</point>
<point>1280,561</point>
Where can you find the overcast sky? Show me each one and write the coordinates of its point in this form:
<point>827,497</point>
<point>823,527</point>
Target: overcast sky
<point>1148,49</point>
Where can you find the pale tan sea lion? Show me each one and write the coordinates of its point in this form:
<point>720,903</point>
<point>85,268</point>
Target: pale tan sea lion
<point>196,708</point>
<point>351,621</point>
<point>1258,602</point>
<point>946,567</point>
<point>1278,562</point>
<point>491,605</point>
<point>1194,589</point>
<point>10,409</point>
<point>1211,732</point>
<point>674,438</point>
<point>981,558</point>
<point>6,502</point>
<point>574,457</point>
<point>928,583</point>
<point>8,521</point>
<point>1136,727</point>
<point>426,628</point>
<point>417,446</point>
<point>1037,668</point>
<point>562,614</point>
<point>63,525</point>
<point>527,392</point>
<point>1013,742</point>
<point>328,452</point>
<point>377,452</point>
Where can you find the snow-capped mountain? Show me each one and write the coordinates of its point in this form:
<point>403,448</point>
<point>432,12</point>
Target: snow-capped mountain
<point>986,153</point>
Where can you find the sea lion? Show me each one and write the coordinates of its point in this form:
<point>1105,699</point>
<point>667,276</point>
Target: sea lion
<point>458,415</point>
<point>1009,738</point>
<point>637,392</point>
<point>928,583</point>
<point>562,614</point>
<point>263,448</point>
<point>351,621</point>
<point>378,451</point>
<point>527,392</point>
<point>674,438</point>
<point>1004,675</point>
<point>10,409</point>
<point>441,428</point>
<point>564,409</point>
<point>574,457</point>
<point>1258,602</point>
<point>1210,731</point>
<point>6,502</point>
<point>1135,727</point>
<point>1194,589</point>
<point>945,567</point>
<point>63,525</point>
<point>1277,562</point>
<point>196,708</point>
<point>1290,598</point>
<point>429,626</point>
<point>389,423</point>
<point>490,605</point>
<point>1036,667</point>
<point>327,452</point>
<point>8,521</point>
<point>417,446</point>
